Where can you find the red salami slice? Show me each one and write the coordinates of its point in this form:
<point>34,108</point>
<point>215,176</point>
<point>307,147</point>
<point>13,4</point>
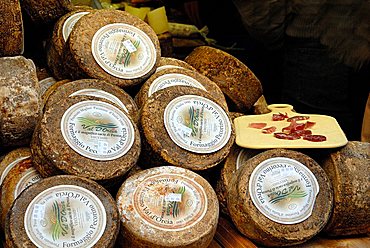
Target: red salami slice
<point>303,132</point>
<point>258,125</point>
<point>286,136</point>
<point>269,130</point>
<point>279,117</point>
<point>314,137</point>
<point>309,124</point>
<point>298,118</point>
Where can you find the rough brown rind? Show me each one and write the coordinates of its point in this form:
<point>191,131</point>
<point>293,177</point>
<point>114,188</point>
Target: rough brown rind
<point>234,78</point>
<point>210,86</point>
<point>20,102</point>
<point>349,170</point>
<point>11,28</point>
<point>55,149</point>
<point>137,233</point>
<point>50,90</point>
<point>15,230</point>
<point>159,148</point>
<point>56,46</point>
<point>168,62</point>
<point>79,57</point>
<point>261,229</point>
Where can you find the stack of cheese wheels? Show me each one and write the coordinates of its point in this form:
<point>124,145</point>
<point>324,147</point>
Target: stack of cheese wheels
<point>11,28</point>
<point>168,62</point>
<point>20,176</point>
<point>86,136</point>
<point>20,102</point>
<point>178,76</point>
<point>167,207</point>
<point>112,45</point>
<point>234,78</point>
<point>185,127</point>
<point>56,46</point>
<point>279,198</point>
<point>46,11</point>
<point>63,211</point>
<point>97,88</point>
<point>349,170</point>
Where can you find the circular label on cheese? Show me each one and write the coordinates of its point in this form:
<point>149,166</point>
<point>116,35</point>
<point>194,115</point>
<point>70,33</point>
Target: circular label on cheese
<point>243,156</point>
<point>197,124</point>
<point>65,216</point>
<point>284,190</point>
<point>160,68</point>
<point>97,130</point>
<point>101,94</point>
<point>170,202</point>
<point>70,22</point>
<point>123,51</point>
<point>10,166</point>
<point>31,176</point>
<point>173,79</point>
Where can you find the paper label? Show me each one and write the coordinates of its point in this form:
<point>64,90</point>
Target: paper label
<point>284,190</point>
<point>123,51</point>
<point>10,166</point>
<point>209,124</point>
<point>65,216</point>
<point>31,176</point>
<point>70,23</point>
<point>97,130</point>
<point>173,79</point>
<point>170,202</point>
<point>101,94</point>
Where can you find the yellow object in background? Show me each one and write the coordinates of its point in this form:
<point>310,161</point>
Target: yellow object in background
<point>157,19</point>
<point>82,2</point>
<point>138,12</point>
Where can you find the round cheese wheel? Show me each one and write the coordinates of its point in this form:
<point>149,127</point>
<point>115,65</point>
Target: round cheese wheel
<point>20,103</point>
<point>56,46</point>
<point>11,28</point>
<point>59,211</point>
<point>88,137</point>
<point>51,89</point>
<point>168,62</point>
<point>20,177</point>
<point>178,76</point>
<point>97,88</point>
<point>167,207</point>
<point>184,126</point>
<point>112,45</point>
<point>348,169</point>
<point>279,198</point>
<point>234,78</point>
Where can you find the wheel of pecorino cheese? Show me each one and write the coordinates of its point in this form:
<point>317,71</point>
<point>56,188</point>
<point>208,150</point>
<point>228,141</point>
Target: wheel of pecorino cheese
<point>88,137</point>
<point>280,198</point>
<point>167,207</point>
<point>184,126</point>
<point>11,28</point>
<point>234,78</point>
<point>63,211</point>
<point>168,62</point>
<point>112,45</point>
<point>178,76</point>
<point>348,169</point>
<point>56,45</point>
<point>20,101</point>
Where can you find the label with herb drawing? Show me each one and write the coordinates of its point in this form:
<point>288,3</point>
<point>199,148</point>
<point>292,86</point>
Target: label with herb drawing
<point>97,130</point>
<point>10,166</point>
<point>123,51</point>
<point>65,216</point>
<point>30,177</point>
<point>197,124</point>
<point>70,22</point>
<point>170,202</point>
<point>284,190</point>
<point>173,79</point>
<point>101,94</point>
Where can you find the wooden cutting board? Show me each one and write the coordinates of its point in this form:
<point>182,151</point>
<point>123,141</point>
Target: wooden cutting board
<point>254,138</point>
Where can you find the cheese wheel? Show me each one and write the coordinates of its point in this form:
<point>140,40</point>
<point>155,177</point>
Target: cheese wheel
<point>56,46</point>
<point>178,76</point>
<point>97,88</point>
<point>279,198</point>
<point>184,126</point>
<point>88,137</point>
<point>20,104</point>
<point>114,46</point>
<point>11,28</point>
<point>20,177</point>
<point>59,211</point>
<point>46,11</point>
<point>168,62</point>
<point>234,78</point>
<point>167,207</point>
<point>348,169</point>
